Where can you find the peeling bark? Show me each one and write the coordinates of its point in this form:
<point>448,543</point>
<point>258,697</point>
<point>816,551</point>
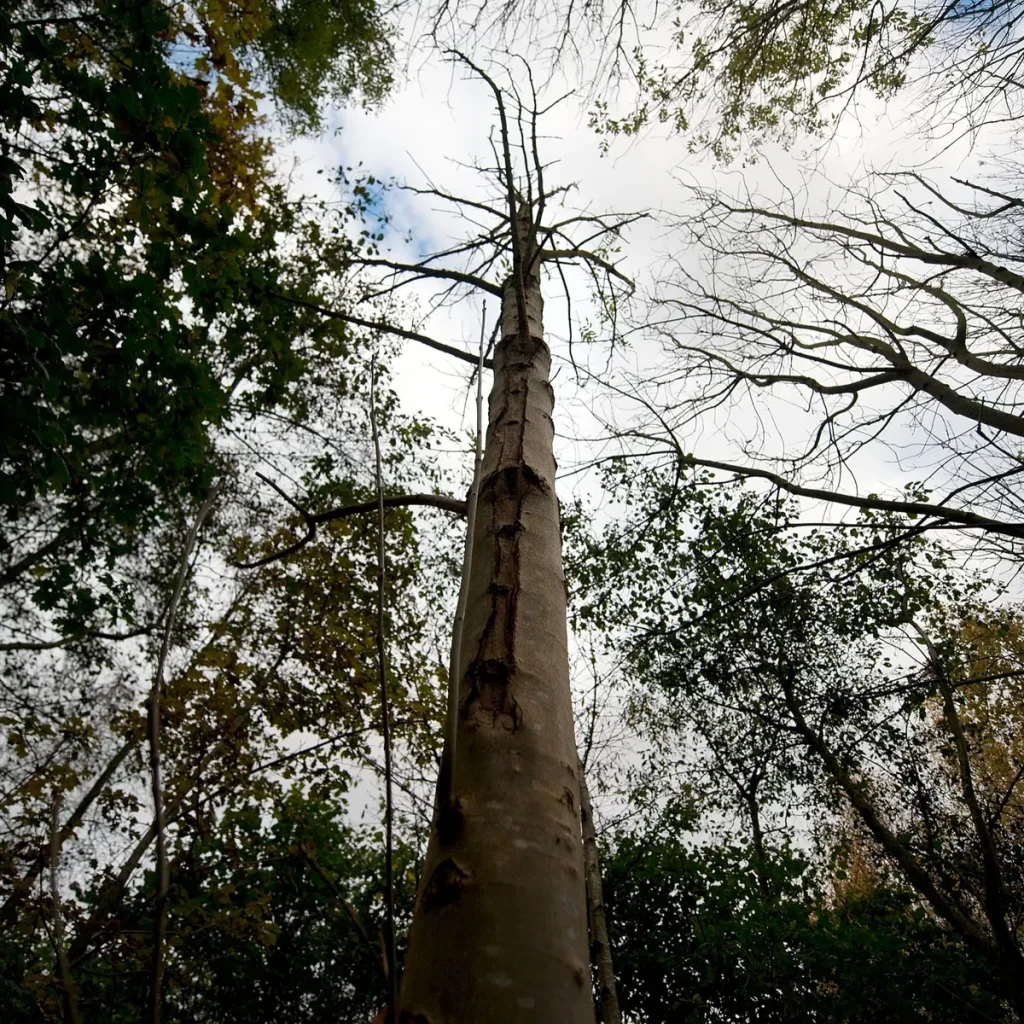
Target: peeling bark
<point>499,932</point>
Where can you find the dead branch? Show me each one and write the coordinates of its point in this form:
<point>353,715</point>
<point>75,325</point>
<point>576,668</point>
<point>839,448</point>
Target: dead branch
<point>311,521</point>
<point>552,255</point>
<point>514,210</point>
<point>424,270</point>
<point>72,638</point>
<point>385,327</point>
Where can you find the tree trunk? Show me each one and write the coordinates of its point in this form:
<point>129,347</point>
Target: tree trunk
<point>607,993</point>
<point>499,933</point>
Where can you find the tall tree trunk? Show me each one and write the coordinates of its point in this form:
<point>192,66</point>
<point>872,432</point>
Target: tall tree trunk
<point>499,933</point>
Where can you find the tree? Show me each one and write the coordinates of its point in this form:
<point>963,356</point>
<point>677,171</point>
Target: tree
<point>154,338</point>
<point>184,322</point>
<point>494,933</point>
<point>499,926</point>
<point>268,919</point>
<point>696,937</point>
<point>743,74</point>
<point>750,619</point>
<point>894,322</point>
<point>142,251</point>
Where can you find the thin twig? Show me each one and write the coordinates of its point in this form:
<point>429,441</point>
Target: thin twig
<point>517,241</point>
<point>445,777</point>
<point>607,993</point>
<point>63,968</point>
<point>385,715</point>
<point>162,872</point>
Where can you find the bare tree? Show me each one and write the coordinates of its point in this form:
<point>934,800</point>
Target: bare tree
<point>824,344</point>
<point>500,925</point>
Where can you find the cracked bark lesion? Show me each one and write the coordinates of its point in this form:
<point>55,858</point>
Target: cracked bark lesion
<point>490,673</point>
<point>490,696</point>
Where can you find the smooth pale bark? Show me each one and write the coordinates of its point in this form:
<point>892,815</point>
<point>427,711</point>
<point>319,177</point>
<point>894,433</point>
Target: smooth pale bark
<point>499,933</point>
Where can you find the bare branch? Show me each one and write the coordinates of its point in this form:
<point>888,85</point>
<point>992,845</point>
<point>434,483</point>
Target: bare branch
<point>514,213</point>
<point>552,255</point>
<point>387,328</point>
<point>915,508</point>
<point>71,638</point>
<point>418,270</point>
<point>935,258</point>
<point>441,501</point>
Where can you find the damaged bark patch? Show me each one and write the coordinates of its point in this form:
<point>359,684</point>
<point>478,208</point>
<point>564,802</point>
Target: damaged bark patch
<point>513,483</point>
<point>490,700</point>
<point>490,675</point>
<point>444,886</point>
<point>449,822</point>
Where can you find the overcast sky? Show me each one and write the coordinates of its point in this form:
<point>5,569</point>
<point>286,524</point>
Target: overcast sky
<point>436,126</point>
